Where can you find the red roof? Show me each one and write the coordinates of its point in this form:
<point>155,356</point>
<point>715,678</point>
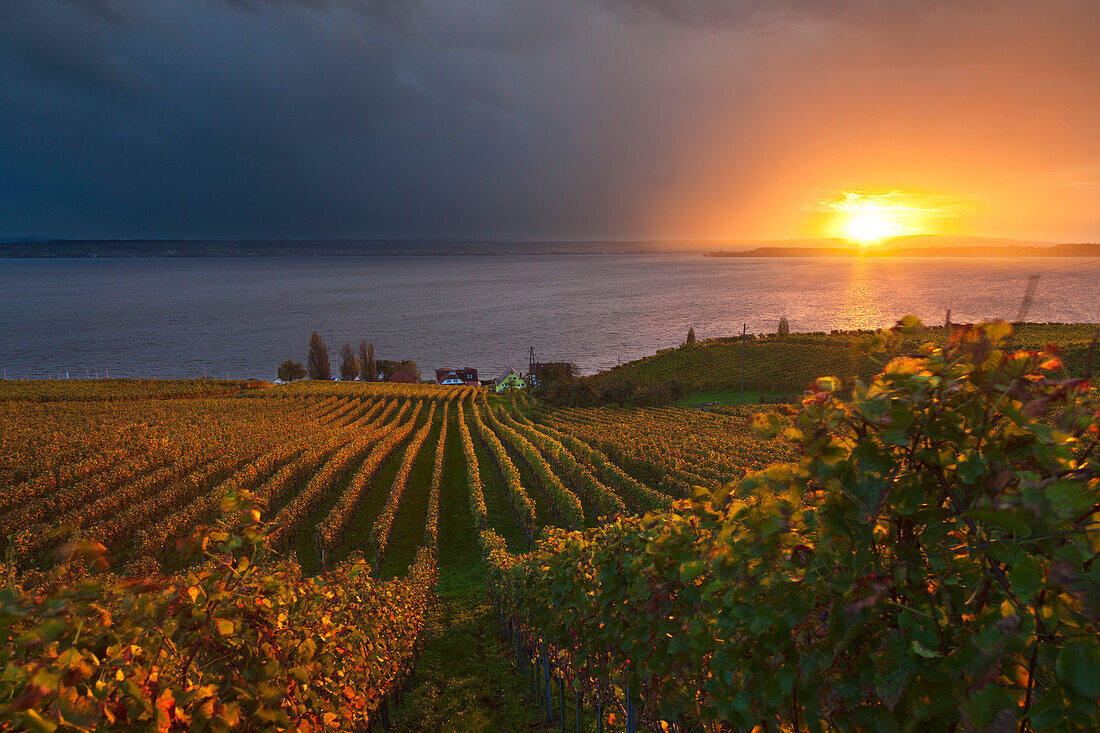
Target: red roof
<point>405,376</point>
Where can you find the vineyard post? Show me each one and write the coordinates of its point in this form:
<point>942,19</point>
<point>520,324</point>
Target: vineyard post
<point>535,674</point>
<point>536,665</point>
<point>546,677</point>
<point>561,698</point>
<point>631,724</point>
<point>744,328</point>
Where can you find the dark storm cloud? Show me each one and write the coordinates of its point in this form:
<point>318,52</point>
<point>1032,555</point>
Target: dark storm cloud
<point>527,118</point>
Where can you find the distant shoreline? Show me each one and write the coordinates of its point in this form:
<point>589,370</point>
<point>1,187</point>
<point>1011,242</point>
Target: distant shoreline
<point>909,246</point>
<point>1057,250</point>
<point>168,249</point>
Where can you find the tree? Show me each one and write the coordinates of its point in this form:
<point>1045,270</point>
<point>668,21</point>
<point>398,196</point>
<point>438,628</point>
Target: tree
<point>691,336</point>
<point>652,395</point>
<point>620,392</point>
<point>291,370</point>
<point>572,394</point>
<point>784,327</point>
<point>349,365</point>
<point>318,364</point>
<point>368,371</point>
<point>386,368</point>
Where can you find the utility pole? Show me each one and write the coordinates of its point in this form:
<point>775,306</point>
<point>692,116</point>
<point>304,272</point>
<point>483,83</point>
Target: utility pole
<point>744,329</point>
<point>531,362</point>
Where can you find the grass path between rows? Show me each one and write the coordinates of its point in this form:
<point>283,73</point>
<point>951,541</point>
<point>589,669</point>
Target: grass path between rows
<point>463,683</point>
<point>407,533</point>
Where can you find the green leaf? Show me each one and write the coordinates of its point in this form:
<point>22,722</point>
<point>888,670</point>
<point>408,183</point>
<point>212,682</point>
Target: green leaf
<point>1078,665</point>
<point>1004,518</point>
<point>1070,498</point>
<point>691,570</point>
<point>1026,578</point>
<point>924,651</point>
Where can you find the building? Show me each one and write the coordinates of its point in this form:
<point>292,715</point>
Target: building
<point>511,379</point>
<point>465,376</point>
<point>550,371</point>
<point>405,376</point>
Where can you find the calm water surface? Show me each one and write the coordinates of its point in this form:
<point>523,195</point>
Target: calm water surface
<point>241,317</point>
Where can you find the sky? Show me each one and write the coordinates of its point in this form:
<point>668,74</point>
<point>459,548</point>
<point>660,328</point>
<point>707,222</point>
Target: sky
<point>547,119</point>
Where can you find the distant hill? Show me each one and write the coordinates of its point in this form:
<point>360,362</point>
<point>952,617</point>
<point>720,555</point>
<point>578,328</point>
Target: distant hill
<point>917,246</point>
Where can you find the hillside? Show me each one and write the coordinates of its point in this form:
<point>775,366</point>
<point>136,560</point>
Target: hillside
<point>788,364</point>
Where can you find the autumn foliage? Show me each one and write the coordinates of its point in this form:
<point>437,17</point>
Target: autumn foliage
<point>928,564</point>
<point>235,643</point>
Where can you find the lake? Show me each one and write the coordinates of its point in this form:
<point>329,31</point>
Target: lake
<point>240,317</point>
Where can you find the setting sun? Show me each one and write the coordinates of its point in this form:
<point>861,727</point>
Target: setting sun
<point>871,217</point>
<point>870,226</point>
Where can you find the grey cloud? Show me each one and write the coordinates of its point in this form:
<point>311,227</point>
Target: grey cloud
<point>571,118</point>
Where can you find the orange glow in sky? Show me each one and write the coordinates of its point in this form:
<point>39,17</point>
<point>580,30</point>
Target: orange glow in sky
<point>868,218</point>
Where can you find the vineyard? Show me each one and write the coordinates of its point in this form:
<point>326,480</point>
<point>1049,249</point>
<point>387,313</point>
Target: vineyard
<point>220,555</point>
<point>125,479</point>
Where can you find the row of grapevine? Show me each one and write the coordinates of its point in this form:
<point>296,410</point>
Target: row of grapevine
<point>32,540</point>
<point>100,484</point>
<point>151,539</point>
<point>291,477</point>
<point>362,390</point>
<point>116,390</point>
<point>285,466</point>
<point>109,531</point>
<point>637,495</point>
<point>95,437</point>
<point>380,530</point>
<point>48,449</point>
<point>227,644</point>
<point>166,434</point>
<point>331,529</point>
<point>292,517</point>
<point>110,505</point>
<point>523,509</point>
<point>564,503</point>
<point>473,471</point>
<point>602,499</point>
<point>56,477</point>
<point>673,448</point>
<point>431,520</point>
